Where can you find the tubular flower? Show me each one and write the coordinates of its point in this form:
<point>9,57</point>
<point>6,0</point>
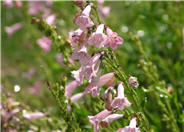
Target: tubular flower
<point>81,54</point>
<point>77,97</point>
<point>12,29</point>
<point>120,101</point>
<point>131,128</point>
<point>70,88</point>
<point>9,114</point>
<point>45,43</point>
<point>105,79</point>
<point>76,36</point>
<point>33,116</point>
<point>50,19</point>
<point>78,75</point>
<point>95,120</point>
<point>97,83</point>
<point>83,20</point>
<point>113,40</point>
<point>109,119</point>
<point>98,38</point>
<point>93,88</point>
<point>90,69</point>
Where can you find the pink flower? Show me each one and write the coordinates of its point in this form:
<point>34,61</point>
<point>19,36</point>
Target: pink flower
<point>81,54</point>
<point>105,10</point>
<point>18,3</point>
<point>39,6</point>
<point>113,40</point>
<point>98,38</point>
<point>96,84</point>
<point>33,116</point>
<point>12,29</point>
<point>131,128</point>
<point>120,101</point>
<point>8,115</point>
<point>34,90</point>
<point>83,20</point>
<point>100,2</point>
<point>70,88</point>
<point>29,73</point>
<point>35,7</point>
<point>76,36</point>
<point>78,75</point>
<point>93,87</point>
<point>59,58</point>
<point>8,3</point>
<point>90,69</point>
<point>71,60</point>
<point>46,12</point>
<point>50,19</point>
<point>109,119</point>
<point>45,43</point>
<point>77,97</point>
<point>95,120</point>
<point>105,79</point>
<point>56,131</point>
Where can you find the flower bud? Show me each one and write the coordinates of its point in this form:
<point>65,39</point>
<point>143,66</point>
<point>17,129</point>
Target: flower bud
<point>133,82</point>
<point>170,90</point>
<point>78,2</point>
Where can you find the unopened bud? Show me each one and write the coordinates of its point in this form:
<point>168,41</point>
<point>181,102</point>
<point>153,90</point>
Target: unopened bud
<point>133,82</point>
<point>170,90</point>
<point>78,2</point>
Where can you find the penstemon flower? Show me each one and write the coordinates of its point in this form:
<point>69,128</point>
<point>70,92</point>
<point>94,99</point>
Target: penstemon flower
<point>7,115</point>
<point>78,76</point>
<point>113,40</point>
<point>83,20</point>
<point>76,36</point>
<point>50,19</point>
<point>32,116</point>
<point>98,38</point>
<point>109,119</point>
<point>45,43</point>
<point>120,101</point>
<point>81,54</point>
<point>12,29</point>
<point>131,128</point>
<point>96,84</point>
<point>89,70</point>
<point>77,97</point>
<point>105,79</point>
<point>34,90</point>
<point>93,87</point>
<point>70,88</point>
<point>95,120</point>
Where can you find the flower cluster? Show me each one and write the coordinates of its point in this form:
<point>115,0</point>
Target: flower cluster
<point>81,39</point>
